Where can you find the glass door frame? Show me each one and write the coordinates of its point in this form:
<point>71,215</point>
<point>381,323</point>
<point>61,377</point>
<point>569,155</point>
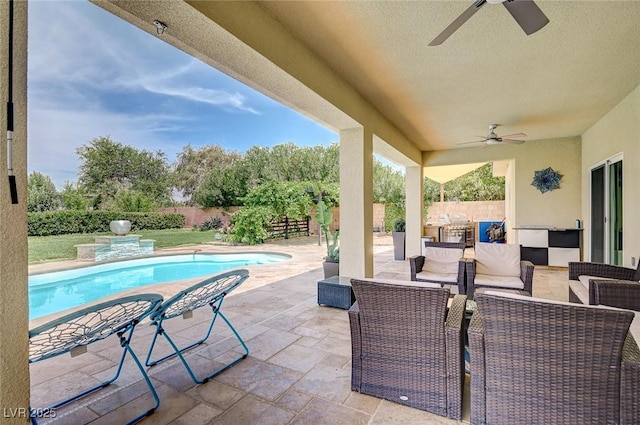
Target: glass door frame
<point>607,207</point>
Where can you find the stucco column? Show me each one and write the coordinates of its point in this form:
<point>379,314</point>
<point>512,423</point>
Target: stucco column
<point>14,316</point>
<point>356,203</point>
<point>414,206</point>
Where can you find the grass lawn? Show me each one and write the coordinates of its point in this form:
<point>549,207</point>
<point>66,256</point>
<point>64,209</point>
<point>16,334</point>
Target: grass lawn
<point>51,248</point>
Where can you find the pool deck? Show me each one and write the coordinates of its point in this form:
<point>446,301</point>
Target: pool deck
<point>298,370</point>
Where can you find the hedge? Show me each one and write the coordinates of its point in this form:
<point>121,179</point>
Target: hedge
<point>67,221</point>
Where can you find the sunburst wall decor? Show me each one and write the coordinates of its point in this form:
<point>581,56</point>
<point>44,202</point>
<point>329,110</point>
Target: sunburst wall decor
<point>546,180</point>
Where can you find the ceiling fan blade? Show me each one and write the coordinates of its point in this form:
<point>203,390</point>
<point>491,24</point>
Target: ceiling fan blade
<point>514,135</point>
<point>527,14</point>
<point>457,23</point>
<point>512,141</point>
<point>477,141</point>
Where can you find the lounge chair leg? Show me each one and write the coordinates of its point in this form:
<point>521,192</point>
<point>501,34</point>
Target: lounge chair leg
<point>124,342</point>
<point>178,351</point>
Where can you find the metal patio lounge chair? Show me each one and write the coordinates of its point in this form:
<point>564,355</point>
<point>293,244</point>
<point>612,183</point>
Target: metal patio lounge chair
<point>208,292</point>
<point>73,332</point>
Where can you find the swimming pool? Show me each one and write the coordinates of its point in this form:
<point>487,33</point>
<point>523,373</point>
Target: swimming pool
<point>57,291</point>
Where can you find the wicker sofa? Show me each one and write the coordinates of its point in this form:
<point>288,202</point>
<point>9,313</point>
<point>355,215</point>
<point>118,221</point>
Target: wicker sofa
<point>539,362</point>
<point>407,346</point>
<point>443,263</point>
<point>580,273</point>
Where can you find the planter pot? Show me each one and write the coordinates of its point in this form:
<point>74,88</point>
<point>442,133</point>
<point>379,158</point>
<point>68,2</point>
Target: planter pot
<point>331,269</point>
<point>398,245</point>
<point>120,227</point>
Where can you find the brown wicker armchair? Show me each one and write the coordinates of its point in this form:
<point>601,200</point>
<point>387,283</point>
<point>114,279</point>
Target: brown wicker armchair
<point>580,273</point>
<point>499,266</point>
<point>407,347</point>
<point>540,362</point>
<point>443,264</point>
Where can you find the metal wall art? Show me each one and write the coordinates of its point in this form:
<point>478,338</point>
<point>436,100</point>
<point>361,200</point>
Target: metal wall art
<point>546,180</point>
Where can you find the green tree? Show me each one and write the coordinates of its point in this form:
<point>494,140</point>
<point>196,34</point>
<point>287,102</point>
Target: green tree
<point>108,166</point>
<point>477,185</point>
<point>196,165</point>
<point>222,187</point>
<point>41,193</point>
<point>74,197</point>
<point>126,200</point>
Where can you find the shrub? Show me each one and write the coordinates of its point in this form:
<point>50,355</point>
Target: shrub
<point>211,224</point>
<point>250,224</point>
<point>399,225</point>
<point>67,221</point>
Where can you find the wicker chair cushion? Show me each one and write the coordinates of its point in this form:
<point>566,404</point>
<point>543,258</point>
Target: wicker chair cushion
<point>512,282</point>
<point>497,259</point>
<point>547,301</point>
<point>402,282</point>
<point>440,277</point>
<point>585,280</point>
<point>442,260</point>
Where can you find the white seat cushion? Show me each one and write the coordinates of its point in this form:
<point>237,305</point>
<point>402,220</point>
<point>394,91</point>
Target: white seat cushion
<point>442,260</point>
<point>584,279</point>
<point>580,291</point>
<point>497,259</point>
<point>440,277</point>
<point>512,282</point>
<point>402,282</point>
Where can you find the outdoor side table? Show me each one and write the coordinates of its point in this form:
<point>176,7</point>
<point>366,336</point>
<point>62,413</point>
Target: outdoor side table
<point>336,291</point>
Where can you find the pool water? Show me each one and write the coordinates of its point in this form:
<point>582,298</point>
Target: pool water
<point>57,291</point>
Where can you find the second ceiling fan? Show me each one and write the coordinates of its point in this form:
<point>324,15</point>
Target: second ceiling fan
<point>493,139</point>
<point>526,13</point>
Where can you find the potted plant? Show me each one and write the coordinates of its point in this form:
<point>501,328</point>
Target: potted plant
<point>324,217</point>
<point>398,235</point>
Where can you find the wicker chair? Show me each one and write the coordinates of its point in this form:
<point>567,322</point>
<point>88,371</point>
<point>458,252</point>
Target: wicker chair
<point>498,266</point>
<point>443,264</point>
<point>540,362</point>
<point>407,347</point>
<point>580,273</point>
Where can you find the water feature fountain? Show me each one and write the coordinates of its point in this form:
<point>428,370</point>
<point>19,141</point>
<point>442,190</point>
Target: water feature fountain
<point>122,245</point>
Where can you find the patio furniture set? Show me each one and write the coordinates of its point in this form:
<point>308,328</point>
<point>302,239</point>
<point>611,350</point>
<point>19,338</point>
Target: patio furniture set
<point>72,333</point>
<point>532,360</point>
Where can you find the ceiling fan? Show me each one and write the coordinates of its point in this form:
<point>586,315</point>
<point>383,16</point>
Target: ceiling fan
<point>493,139</point>
<point>526,13</point>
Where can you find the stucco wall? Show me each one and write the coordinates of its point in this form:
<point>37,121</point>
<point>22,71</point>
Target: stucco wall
<point>557,208</point>
<point>617,132</point>
<point>14,316</point>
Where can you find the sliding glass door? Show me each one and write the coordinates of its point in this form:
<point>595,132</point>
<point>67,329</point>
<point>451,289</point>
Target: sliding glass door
<point>606,212</point>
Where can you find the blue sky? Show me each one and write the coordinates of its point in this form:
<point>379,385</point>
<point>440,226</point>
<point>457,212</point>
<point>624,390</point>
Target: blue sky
<point>92,74</point>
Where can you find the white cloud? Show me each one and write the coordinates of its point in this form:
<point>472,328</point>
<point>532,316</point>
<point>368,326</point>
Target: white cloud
<point>73,43</point>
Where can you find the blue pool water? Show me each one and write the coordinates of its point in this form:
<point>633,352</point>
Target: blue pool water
<point>57,291</point>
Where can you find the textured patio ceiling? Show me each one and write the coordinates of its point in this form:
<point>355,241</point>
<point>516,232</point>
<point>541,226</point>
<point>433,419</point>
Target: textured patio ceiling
<point>554,83</point>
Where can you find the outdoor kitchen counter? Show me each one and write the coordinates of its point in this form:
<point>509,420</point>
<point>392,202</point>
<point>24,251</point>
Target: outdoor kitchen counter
<point>550,246</point>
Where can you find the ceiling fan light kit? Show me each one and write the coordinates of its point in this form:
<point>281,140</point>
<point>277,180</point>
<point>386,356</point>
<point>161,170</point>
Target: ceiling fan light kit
<point>526,13</point>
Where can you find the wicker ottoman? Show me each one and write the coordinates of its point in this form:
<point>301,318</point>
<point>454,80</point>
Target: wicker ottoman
<point>336,291</point>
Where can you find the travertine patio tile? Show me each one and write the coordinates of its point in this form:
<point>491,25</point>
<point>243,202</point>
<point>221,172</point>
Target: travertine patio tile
<point>263,379</point>
<point>251,410</point>
<point>50,392</point>
<point>175,375</point>
<point>269,343</point>
<point>294,400</point>
<point>201,414</point>
<point>325,412</point>
<point>363,402</point>
<point>392,414</point>
<point>43,371</point>
<point>298,358</point>
<point>328,382</point>
<point>216,393</point>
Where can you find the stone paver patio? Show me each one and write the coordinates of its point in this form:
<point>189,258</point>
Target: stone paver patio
<point>298,370</point>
